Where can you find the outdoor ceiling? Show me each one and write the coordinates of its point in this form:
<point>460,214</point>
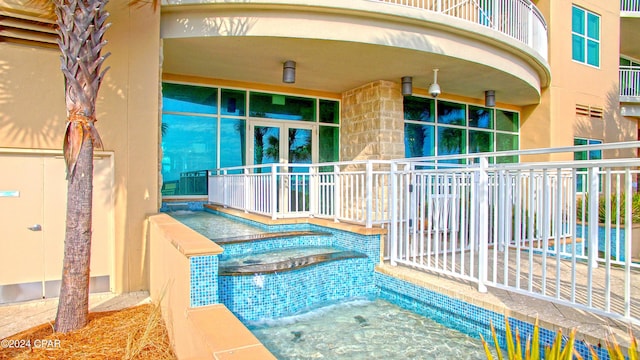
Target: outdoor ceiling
<point>629,35</point>
<point>335,66</point>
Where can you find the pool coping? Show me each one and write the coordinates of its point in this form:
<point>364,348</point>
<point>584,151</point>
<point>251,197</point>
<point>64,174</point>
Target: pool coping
<point>265,220</point>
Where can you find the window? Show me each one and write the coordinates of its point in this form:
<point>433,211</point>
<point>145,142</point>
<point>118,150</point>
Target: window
<point>434,127</point>
<point>585,155</point>
<point>629,77</point>
<point>629,62</point>
<point>204,128</point>
<point>585,36</point>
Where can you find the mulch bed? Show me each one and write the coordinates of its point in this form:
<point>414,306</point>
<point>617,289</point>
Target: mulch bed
<point>132,333</point>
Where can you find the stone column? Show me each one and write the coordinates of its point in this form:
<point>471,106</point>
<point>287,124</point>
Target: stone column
<point>372,123</point>
<point>372,128</point>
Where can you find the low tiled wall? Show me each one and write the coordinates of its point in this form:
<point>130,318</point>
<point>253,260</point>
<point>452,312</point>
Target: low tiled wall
<point>346,236</point>
<point>274,295</point>
<point>203,278</point>
<point>183,278</point>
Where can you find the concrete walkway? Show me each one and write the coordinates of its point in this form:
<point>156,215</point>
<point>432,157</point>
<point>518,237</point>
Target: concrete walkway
<point>25,315</point>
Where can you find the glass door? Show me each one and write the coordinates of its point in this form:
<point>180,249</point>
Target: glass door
<point>266,146</point>
<point>300,151</point>
<point>283,143</point>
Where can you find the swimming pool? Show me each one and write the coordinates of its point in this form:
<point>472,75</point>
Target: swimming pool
<point>269,298</point>
<point>215,227</point>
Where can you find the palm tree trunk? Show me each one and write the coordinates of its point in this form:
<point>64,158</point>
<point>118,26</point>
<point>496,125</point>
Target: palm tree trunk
<point>73,308</point>
<point>81,26</point>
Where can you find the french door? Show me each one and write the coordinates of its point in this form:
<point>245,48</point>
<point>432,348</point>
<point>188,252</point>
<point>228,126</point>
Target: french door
<point>285,143</point>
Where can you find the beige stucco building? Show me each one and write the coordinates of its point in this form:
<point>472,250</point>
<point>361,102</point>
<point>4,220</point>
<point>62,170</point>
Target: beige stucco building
<point>563,73</point>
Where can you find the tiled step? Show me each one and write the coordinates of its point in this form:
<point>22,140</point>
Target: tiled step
<point>282,260</point>
<point>269,236</point>
<point>261,243</point>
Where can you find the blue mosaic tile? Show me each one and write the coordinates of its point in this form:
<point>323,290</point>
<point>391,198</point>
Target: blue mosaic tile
<point>267,296</point>
<point>367,244</point>
<point>464,317</point>
<point>204,280</point>
<point>186,205</point>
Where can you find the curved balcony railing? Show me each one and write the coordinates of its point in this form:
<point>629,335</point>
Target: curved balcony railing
<point>519,19</point>
<point>630,5</point>
<point>630,82</point>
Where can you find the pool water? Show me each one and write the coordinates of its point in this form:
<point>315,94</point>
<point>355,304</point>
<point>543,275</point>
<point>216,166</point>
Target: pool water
<point>215,226</point>
<point>279,256</point>
<point>364,329</point>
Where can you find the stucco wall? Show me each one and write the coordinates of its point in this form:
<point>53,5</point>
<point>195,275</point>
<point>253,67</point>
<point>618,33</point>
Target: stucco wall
<point>554,122</point>
<point>32,116</point>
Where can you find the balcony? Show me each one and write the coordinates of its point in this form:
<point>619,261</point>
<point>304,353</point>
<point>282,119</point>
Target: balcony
<point>629,84</point>
<point>629,27</point>
<point>630,6</point>
<point>341,45</point>
<point>519,19</point>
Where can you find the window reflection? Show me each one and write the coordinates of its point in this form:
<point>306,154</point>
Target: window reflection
<point>419,140</point>
<point>451,113</point>
<point>188,150</point>
<point>460,128</point>
<point>191,99</point>
<point>283,107</point>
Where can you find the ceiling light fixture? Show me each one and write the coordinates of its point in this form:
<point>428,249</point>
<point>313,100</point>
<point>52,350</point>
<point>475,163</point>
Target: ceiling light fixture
<point>407,85</point>
<point>490,98</point>
<point>289,72</point>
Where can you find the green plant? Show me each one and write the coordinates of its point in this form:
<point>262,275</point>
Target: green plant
<point>614,350</point>
<point>532,346</point>
<point>602,210</point>
<point>555,351</point>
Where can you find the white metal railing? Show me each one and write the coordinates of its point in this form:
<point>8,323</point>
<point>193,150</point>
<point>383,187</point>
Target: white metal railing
<point>630,5</point>
<point>526,227</point>
<point>519,19</point>
<point>343,191</point>
<point>630,81</point>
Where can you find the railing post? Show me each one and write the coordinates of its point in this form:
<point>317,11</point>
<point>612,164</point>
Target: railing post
<point>393,226</point>
<point>494,15</point>
<point>246,183</point>
<point>483,224</point>
<point>336,193</point>
<point>594,187</point>
<point>369,194</point>
<point>314,190</point>
<point>530,26</point>
<point>628,241</point>
<point>439,6</point>
<point>274,191</point>
<point>210,178</point>
<point>224,188</point>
